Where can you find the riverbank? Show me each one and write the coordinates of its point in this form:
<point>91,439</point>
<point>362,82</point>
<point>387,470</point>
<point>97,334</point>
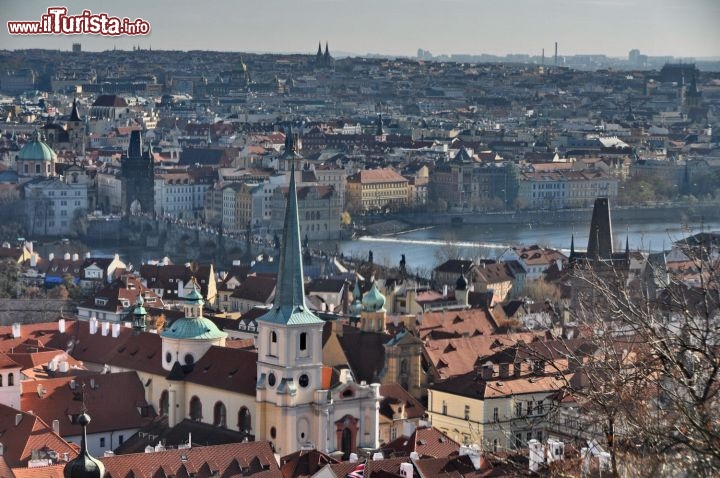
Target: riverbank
<point>682,213</point>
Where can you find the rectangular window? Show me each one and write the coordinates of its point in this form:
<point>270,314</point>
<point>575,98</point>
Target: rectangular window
<point>496,415</point>
<point>444,408</point>
<point>518,409</point>
<point>467,412</point>
<point>102,442</point>
<point>530,407</point>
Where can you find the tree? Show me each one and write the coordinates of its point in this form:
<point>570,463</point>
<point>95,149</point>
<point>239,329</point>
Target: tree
<point>345,218</point>
<point>647,375</point>
<point>9,277</point>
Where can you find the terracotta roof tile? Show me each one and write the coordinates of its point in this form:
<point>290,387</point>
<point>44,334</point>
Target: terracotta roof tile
<point>31,433</point>
<point>113,403</point>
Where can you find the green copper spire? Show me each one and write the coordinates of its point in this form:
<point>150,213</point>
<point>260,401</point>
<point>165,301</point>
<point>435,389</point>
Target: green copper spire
<point>289,305</point>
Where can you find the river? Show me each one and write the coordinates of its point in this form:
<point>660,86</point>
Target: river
<point>424,248</point>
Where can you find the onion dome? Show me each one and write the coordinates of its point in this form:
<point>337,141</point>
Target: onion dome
<point>84,465</point>
<point>373,301</point>
<point>356,306</point>
<point>461,283</point>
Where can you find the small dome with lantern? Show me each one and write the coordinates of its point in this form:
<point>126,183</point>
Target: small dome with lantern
<point>193,325</point>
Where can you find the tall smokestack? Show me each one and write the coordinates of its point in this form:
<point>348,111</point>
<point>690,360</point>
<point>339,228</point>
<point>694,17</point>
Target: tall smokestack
<point>543,57</point>
<point>555,53</point>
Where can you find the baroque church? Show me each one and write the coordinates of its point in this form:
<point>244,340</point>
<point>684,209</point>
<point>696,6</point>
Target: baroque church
<point>281,392</point>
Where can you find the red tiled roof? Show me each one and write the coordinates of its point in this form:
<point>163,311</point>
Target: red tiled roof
<point>227,369</point>
<point>31,433</point>
<point>377,176</point>
<point>113,403</point>
<point>253,459</point>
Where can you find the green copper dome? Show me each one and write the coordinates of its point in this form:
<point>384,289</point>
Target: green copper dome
<point>193,328</point>
<point>373,301</point>
<point>36,150</point>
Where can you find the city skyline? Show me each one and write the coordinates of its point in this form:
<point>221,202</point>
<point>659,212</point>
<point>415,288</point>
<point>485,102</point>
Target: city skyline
<point>400,27</point>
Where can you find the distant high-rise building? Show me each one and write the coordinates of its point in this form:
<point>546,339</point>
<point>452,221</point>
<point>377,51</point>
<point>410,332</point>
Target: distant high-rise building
<point>76,48</point>
<point>634,56</point>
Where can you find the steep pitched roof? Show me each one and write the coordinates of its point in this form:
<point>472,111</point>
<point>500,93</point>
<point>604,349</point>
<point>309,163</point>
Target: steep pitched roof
<point>113,402</point>
<point>22,433</point>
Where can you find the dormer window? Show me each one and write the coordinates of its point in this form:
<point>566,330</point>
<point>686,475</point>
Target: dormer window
<point>101,301</point>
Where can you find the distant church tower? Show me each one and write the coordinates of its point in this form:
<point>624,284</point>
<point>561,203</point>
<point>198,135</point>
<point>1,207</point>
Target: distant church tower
<point>76,131</point>
<point>290,154</point>
<point>137,174</point>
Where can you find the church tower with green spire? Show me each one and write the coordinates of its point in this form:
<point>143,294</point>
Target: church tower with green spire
<point>289,367</point>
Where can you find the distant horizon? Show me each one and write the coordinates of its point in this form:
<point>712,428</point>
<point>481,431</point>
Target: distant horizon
<point>395,28</point>
<point>345,54</point>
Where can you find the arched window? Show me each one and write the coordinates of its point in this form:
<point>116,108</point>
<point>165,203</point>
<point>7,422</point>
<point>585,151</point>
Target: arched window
<point>220,415</point>
<point>1,380</point>
<point>244,420</point>
<point>11,379</point>
<point>273,343</point>
<point>195,409</point>
<point>164,402</point>
<point>404,366</point>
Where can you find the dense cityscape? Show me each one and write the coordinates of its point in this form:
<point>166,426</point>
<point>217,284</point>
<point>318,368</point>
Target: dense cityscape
<point>181,292</point>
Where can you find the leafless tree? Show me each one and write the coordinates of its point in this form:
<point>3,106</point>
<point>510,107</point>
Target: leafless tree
<point>647,375</point>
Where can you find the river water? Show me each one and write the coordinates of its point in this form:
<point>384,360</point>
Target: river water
<point>426,248</point>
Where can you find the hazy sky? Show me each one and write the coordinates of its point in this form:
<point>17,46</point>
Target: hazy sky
<point>396,27</point>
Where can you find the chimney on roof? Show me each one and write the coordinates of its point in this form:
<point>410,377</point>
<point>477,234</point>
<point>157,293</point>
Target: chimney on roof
<point>105,328</point>
<point>51,256</point>
<point>93,325</point>
<point>475,456</point>
<point>61,326</point>
<point>353,458</point>
<point>66,256</point>
<point>16,330</point>
<point>33,259</point>
<point>87,255</point>
<point>75,257</point>
<point>536,454</point>
<point>64,366</point>
<point>504,370</point>
<point>407,470</point>
<point>18,418</point>
<point>56,427</point>
<point>116,330</point>
<point>378,456</point>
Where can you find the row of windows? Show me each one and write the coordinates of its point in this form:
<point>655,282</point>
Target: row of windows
<point>10,379</point>
<point>244,423</point>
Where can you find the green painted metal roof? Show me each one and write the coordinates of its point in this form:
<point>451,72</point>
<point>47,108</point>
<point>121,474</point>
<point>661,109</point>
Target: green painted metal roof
<point>193,328</point>
<point>36,150</point>
<point>291,315</point>
<point>373,300</point>
<point>289,306</point>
